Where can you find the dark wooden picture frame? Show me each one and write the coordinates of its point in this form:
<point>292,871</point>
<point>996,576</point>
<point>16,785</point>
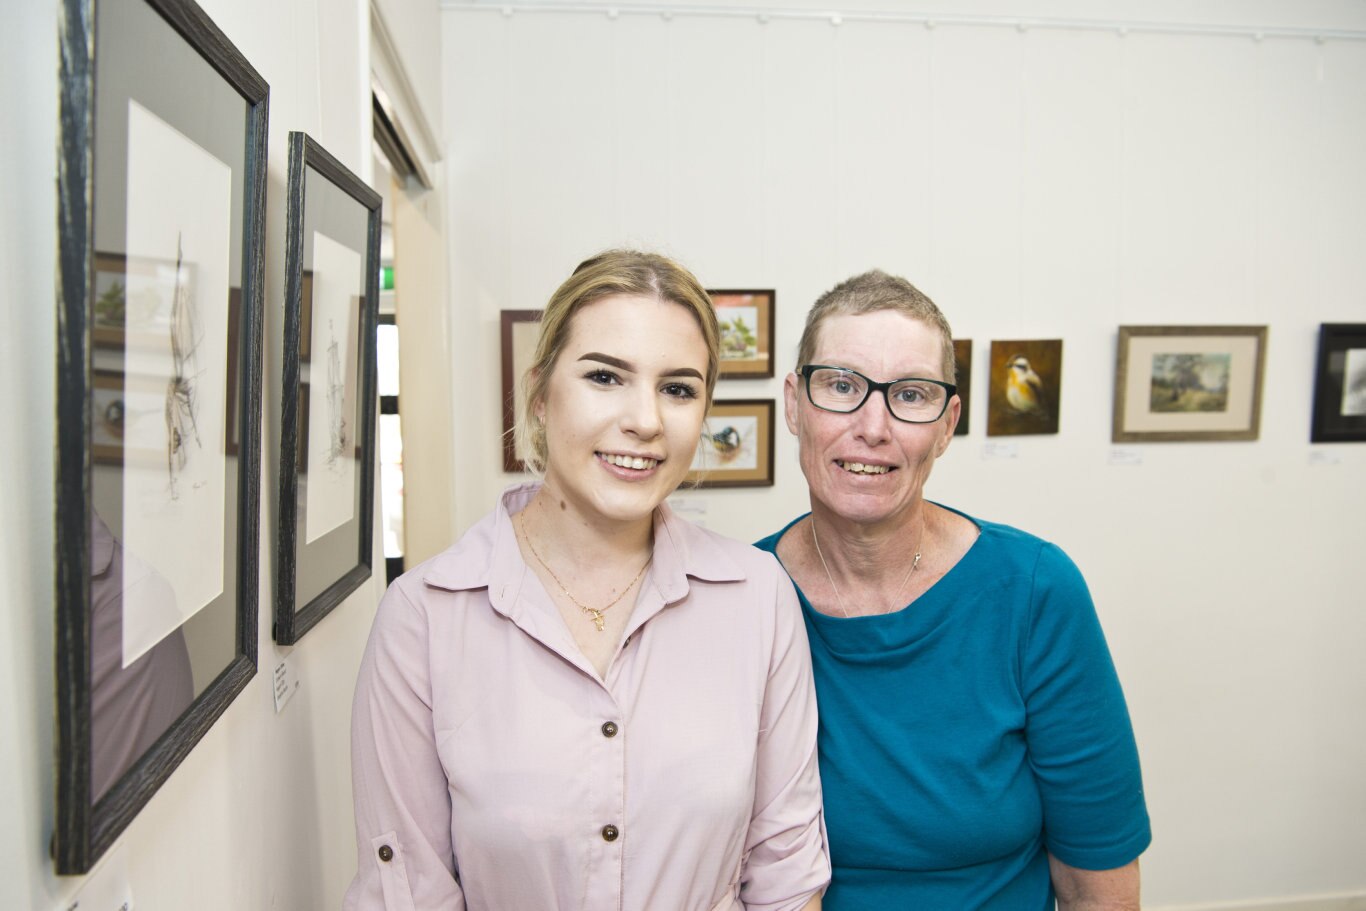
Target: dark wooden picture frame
<point>1339,414</point>
<point>962,355</point>
<point>102,43</point>
<point>317,568</point>
<point>518,331</point>
<point>736,449</point>
<point>746,350</point>
<point>1188,383</point>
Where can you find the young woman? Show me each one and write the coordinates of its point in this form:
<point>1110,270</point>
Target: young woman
<point>588,703</point>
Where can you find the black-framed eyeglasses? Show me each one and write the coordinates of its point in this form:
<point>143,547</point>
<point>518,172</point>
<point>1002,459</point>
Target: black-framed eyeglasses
<point>914,400</point>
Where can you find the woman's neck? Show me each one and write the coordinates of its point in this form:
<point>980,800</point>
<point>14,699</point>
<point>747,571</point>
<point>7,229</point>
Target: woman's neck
<point>867,551</point>
<point>584,537</point>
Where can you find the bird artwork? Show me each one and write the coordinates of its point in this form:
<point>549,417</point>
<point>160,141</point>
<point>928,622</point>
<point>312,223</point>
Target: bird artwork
<point>1024,389</point>
<point>726,442</point>
<point>1025,381</point>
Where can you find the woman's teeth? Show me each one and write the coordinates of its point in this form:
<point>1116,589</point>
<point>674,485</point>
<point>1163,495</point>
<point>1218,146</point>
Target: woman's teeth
<point>860,468</point>
<point>635,462</point>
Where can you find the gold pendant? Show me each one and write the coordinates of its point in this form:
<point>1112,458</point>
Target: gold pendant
<point>597,617</point>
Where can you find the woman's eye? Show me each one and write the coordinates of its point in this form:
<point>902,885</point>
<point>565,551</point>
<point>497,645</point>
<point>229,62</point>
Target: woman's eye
<point>842,387</point>
<point>911,395</point>
<point>680,391</point>
<point>602,377</point>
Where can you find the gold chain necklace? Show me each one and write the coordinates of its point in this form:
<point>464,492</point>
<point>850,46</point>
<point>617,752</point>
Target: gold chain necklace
<point>838,597</point>
<point>594,613</point>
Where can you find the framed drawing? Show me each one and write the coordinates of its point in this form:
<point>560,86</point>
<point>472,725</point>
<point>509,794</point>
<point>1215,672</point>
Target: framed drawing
<point>520,332</point>
<point>327,420</point>
<point>962,356</point>
<point>1188,383</point>
<point>164,136</point>
<point>746,323</point>
<point>736,449</point>
<point>1340,385</point>
<point>1025,385</point>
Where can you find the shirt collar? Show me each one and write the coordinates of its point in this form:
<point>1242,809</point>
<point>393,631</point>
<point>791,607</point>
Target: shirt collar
<point>488,555</point>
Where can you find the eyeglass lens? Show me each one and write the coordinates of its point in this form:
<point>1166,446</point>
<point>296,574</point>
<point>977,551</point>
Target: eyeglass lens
<point>845,390</point>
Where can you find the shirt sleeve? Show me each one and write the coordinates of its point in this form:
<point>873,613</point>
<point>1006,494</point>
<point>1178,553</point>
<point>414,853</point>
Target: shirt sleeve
<point>786,856</point>
<point>1080,739</point>
<point>405,861</point>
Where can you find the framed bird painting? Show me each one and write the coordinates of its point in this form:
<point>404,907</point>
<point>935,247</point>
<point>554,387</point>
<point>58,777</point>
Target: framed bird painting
<point>736,449</point>
<point>1025,387</point>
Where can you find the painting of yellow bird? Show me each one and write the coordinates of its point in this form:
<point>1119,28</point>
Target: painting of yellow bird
<point>1026,378</point>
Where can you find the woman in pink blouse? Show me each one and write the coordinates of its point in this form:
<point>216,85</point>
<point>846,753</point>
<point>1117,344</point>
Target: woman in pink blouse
<point>588,703</point>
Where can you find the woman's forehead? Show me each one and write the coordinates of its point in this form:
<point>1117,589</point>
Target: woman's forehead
<point>883,340</point>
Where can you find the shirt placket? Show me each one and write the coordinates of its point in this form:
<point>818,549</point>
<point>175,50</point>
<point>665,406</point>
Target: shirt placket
<point>606,732</point>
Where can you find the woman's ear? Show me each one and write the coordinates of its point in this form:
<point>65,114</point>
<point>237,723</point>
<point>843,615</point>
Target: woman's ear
<point>951,418</point>
<point>790,402</point>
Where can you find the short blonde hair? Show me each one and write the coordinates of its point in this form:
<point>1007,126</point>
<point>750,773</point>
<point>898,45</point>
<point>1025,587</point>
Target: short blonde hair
<point>867,293</point>
<point>609,273</point>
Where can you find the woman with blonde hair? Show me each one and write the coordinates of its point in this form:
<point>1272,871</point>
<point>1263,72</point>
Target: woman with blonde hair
<point>586,702</point>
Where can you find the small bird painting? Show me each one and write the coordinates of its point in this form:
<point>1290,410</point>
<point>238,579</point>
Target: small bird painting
<point>1026,382</point>
<point>1024,389</point>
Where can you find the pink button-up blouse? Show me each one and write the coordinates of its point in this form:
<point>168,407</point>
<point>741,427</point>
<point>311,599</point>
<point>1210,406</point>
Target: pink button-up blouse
<point>494,769</point>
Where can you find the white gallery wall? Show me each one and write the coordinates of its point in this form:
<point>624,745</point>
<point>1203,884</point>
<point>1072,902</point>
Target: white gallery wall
<point>258,817</point>
<point>1052,181</point>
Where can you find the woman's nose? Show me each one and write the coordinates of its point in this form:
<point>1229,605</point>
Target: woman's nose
<point>642,416</point>
<point>873,421</point>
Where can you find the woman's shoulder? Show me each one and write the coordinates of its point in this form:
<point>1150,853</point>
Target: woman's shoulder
<point>1006,545</point>
<point>770,542</point>
<point>465,564</point>
<point>711,554</point>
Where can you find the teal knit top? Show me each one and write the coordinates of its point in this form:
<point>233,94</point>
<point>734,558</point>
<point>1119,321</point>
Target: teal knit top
<point>970,734</point>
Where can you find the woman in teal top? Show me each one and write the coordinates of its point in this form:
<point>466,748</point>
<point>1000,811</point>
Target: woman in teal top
<point>975,748</point>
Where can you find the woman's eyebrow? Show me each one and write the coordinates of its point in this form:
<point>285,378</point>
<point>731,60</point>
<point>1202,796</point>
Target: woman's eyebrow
<point>631,368</point>
<point>609,360</point>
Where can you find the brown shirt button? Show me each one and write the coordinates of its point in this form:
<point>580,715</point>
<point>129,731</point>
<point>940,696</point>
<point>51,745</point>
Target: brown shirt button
<point>609,729</point>
<point>610,833</point>
<point>386,853</point>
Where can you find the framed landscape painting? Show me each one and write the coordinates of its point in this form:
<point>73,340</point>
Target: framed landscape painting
<point>1188,383</point>
<point>745,319</point>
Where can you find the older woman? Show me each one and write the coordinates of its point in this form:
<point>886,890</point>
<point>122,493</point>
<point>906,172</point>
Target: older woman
<point>586,702</point>
<point>975,748</point>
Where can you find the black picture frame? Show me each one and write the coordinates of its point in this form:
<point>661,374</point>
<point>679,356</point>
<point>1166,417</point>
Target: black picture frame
<point>1339,414</point>
<point>119,59</point>
<point>326,531</point>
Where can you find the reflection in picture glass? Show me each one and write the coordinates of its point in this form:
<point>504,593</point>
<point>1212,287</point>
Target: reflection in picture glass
<point>1354,382</point>
<point>175,375</point>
